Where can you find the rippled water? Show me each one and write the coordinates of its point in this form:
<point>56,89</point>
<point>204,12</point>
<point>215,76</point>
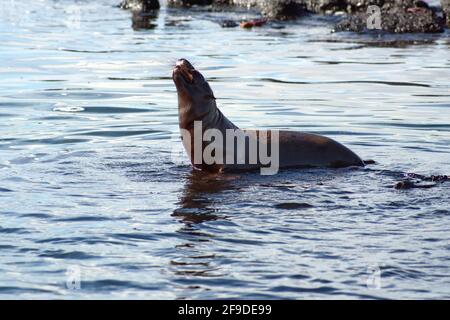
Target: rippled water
<point>91,181</point>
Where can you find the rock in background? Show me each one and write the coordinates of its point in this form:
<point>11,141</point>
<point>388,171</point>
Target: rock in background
<point>189,3</point>
<point>446,8</point>
<point>144,12</point>
<point>397,16</point>
<point>140,5</point>
<point>406,16</point>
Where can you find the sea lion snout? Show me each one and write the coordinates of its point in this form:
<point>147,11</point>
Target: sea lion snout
<point>190,82</point>
<point>183,63</point>
<point>183,70</point>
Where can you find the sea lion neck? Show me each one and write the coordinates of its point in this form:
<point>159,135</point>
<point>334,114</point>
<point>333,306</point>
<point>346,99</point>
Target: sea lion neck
<point>190,111</point>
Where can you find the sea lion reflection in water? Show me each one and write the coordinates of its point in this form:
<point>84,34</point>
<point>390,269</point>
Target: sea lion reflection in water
<point>199,115</point>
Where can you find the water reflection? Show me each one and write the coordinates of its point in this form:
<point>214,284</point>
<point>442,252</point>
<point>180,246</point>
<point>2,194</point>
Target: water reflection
<point>144,20</point>
<point>198,204</point>
<point>198,199</point>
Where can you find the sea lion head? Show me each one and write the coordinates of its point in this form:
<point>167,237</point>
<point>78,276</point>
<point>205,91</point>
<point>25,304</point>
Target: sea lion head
<point>195,96</point>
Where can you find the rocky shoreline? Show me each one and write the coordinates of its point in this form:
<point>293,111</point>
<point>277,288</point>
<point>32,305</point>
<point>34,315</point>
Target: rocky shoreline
<point>391,16</point>
<point>407,16</point>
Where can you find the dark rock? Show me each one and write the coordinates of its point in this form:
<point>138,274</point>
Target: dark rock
<point>408,184</point>
<point>414,180</point>
<point>283,10</point>
<point>189,3</point>
<point>143,20</point>
<point>293,205</point>
<point>286,9</point>
<point>403,185</point>
<point>333,6</point>
<point>408,16</point>
<point>229,24</point>
<point>140,5</point>
<point>445,4</point>
<point>439,178</point>
<point>397,16</point>
<point>433,178</point>
<point>274,9</point>
<point>144,12</point>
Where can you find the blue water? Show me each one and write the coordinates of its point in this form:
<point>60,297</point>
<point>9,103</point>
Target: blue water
<point>93,177</point>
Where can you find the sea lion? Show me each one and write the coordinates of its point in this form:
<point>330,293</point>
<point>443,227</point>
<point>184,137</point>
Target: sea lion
<point>196,102</point>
